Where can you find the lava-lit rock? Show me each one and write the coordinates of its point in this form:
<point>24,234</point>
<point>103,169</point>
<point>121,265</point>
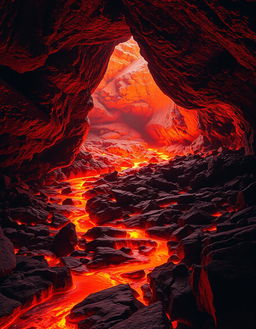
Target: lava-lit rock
<point>104,256</point>
<point>134,275</point>
<point>65,240</point>
<point>103,231</point>
<point>170,285</point>
<point>105,308</point>
<point>162,232</point>
<point>7,307</point>
<point>119,242</point>
<point>7,257</point>
<point>227,276</point>
<point>150,317</point>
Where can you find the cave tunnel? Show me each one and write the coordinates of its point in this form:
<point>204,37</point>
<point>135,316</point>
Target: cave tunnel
<point>128,168</point>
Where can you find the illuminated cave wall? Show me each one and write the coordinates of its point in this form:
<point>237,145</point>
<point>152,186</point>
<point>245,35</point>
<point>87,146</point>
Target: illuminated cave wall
<point>128,105</point>
<point>51,62</point>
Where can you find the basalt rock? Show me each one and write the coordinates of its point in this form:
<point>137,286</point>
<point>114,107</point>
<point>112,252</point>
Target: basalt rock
<point>105,308</point>
<point>65,240</point>
<point>150,317</point>
<point>7,257</point>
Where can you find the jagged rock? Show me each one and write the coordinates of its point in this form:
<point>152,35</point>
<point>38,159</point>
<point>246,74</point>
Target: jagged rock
<point>102,210</point>
<point>150,317</point>
<point>102,231</point>
<point>7,307</point>
<point>7,256</point>
<point>147,293</point>
<point>65,240</point>
<point>170,285</point>
<point>120,242</point>
<point>104,256</point>
<point>195,217</point>
<point>105,308</point>
<point>74,264</point>
<point>136,275</point>
<point>227,274</point>
<point>68,202</point>
<point>162,232</point>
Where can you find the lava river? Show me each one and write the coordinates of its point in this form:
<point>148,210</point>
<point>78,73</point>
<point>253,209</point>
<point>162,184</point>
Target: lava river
<point>52,311</point>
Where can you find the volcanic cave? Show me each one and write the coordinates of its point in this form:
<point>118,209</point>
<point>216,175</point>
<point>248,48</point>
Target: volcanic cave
<point>128,167</point>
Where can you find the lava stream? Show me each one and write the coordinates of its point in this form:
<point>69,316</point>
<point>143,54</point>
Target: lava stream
<point>52,313</point>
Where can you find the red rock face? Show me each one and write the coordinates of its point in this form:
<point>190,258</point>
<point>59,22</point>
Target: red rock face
<point>53,55</point>
<point>200,53</point>
<point>128,105</point>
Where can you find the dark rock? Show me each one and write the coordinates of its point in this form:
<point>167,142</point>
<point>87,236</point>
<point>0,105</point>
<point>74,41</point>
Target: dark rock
<point>182,232</point>
<point>124,198</point>
<point>248,195</point>
<point>111,176</point>
<point>162,232</point>
<point>74,264</point>
<point>68,202</point>
<point>102,210</point>
<point>195,217</point>
<point>126,250</point>
<point>58,220</point>
<point>119,242</point>
<point>105,308</point>
<point>29,215</point>
<point>24,289</point>
<point>7,256</point>
<point>170,285</point>
<point>103,231</point>
<point>65,241</point>
<point>190,247</point>
<point>7,307</point>
<point>60,277</point>
<point>147,293</point>
<point>227,274</point>
<point>136,275</point>
<point>104,256</point>
<point>27,264</point>
<point>150,317</point>
<point>67,190</point>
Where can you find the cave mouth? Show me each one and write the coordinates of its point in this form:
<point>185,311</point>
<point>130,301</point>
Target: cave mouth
<point>133,122</point>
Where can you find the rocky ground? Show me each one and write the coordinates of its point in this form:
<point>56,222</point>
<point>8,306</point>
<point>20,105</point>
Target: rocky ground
<point>202,209</point>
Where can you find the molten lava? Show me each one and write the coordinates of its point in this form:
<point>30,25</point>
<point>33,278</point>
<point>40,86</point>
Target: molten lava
<point>56,308</point>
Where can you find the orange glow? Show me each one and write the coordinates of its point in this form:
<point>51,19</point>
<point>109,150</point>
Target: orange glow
<point>217,214</point>
<point>51,312</point>
<point>164,205</point>
<point>212,228</point>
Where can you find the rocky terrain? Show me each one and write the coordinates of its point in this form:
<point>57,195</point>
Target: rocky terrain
<point>197,212</point>
<point>98,234</point>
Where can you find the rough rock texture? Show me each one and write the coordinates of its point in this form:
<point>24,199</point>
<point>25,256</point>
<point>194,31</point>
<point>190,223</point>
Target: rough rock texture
<point>50,63</point>
<point>200,53</point>
<point>129,105</point>
<point>53,55</point>
<point>106,308</point>
<point>150,317</point>
<point>7,256</point>
<point>65,240</point>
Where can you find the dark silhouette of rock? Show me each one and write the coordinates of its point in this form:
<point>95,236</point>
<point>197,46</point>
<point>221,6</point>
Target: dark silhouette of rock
<point>105,308</point>
<point>7,256</point>
<point>65,240</point>
<point>150,317</point>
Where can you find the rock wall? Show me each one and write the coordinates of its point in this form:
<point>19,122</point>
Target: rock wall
<point>54,54</point>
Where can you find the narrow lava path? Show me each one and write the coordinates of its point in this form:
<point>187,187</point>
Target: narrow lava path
<point>52,313</point>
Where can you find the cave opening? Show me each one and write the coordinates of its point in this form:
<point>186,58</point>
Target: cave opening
<point>134,123</point>
<point>147,221</point>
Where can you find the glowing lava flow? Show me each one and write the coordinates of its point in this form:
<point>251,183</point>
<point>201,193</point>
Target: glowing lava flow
<point>52,313</point>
